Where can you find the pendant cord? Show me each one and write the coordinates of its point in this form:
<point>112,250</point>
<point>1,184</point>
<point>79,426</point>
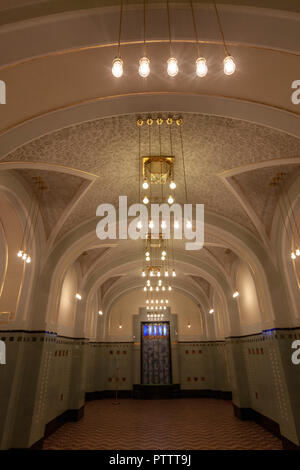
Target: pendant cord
<point>220,28</point>
<point>195,29</point>
<point>120,28</point>
<point>145,28</point>
<point>183,164</point>
<point>169,26</point>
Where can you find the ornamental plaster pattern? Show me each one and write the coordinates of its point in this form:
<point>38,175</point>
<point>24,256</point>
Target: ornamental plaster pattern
<point>109,148</point>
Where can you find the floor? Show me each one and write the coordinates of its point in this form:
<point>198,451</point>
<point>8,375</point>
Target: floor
<point>196,423</point>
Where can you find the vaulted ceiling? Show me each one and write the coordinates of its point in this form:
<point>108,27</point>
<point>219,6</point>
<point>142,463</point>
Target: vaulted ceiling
<point>70,122</point>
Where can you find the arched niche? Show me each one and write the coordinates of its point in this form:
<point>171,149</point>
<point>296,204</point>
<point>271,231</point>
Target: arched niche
<point>66,315</point>
<point>126,306</point>
<point>250,315</point>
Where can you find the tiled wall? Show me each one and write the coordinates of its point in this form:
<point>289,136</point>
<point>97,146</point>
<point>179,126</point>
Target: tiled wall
<point>46,375</point>
<point>266,380</point>
<point>203,366</point>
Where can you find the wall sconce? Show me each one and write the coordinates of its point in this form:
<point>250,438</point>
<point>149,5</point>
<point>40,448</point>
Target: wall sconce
<point>211,310</point>
<point>189,325</point>
<point>78,296</point>
<point>235,294</point>
<point>100,312</point>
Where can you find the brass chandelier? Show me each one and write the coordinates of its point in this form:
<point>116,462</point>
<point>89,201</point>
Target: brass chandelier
<point>157,185</point>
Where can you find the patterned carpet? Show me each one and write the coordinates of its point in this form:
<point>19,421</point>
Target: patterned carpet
<point>202,423</point>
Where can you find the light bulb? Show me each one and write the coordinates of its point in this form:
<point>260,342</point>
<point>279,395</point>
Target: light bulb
<point>143,273</point>
<point>166,273</point>
<point>151,273</point>
<point>147,258</point>
<point>144,67</point>
<point>160,282</point>
<point>172,185</point>
<point>78,296</point>
<point>163,258</point>
<point>229,65</point>
<point>145,200</point>
<point>120,326</point>
<point>151,288</point>
<point>20,253</point>
<point>145,289</point>
<point>147,301</point>
<point>201,67</point>
<point>172,67</point>
<point>152,301</point>
<point>28,259</point>
<point>163,288</point>
<point>169,288</point>
<point>158,273</point>
<point>176,224</point>
<point>293,255</point>
<point>188,224</point>
<point>173,273</point>
<point>117,67</point>
<point>24,256</point>
<point>157,289</point>
<point>139,225</point>
<point>160,308</point>
<point>148,282</point>
<point>165,308</point>
<point>145,185</point>
<point>189,325</point>
<point>164,253</point>
<point>298,252</point>
<point>156,301</point>
<point>167,301</point>
<point>147,253</point>
<point>211,310</point>
<point>170,199</point>
<point>235,294</point>
<point>151,224</point>
<point>100,312</point>
<point>163,224</point>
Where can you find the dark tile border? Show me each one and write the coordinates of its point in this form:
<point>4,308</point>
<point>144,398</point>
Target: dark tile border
<point>266,423</point>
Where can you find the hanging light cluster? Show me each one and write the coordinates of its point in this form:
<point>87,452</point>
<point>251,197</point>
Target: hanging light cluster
<point>287,213</point>
<point>157,185</point>
<point>201,68</point>
<point>25,251</point>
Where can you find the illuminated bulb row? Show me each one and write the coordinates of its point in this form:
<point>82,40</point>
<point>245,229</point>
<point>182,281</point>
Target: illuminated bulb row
<point>24,256</point>
<point>172,67</point>
<point>146,201</point>
<point>153,274</point>
<point>145,184</point>
<point>155,315</point>
<point>296,253</point>
<point>156,308</point>
<point>157,301</point>
<point>157,288</point>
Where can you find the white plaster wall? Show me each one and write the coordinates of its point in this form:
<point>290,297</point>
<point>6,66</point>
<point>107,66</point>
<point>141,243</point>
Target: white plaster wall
<point>249,309</point>
<point>67,306</point>
<point>129,304</point>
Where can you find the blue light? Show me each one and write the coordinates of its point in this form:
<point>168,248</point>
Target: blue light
<point>145,330</point>
<point>154,330</point>
<point>165,330</point>
<point>160,330</point>
<point>150,330</point>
